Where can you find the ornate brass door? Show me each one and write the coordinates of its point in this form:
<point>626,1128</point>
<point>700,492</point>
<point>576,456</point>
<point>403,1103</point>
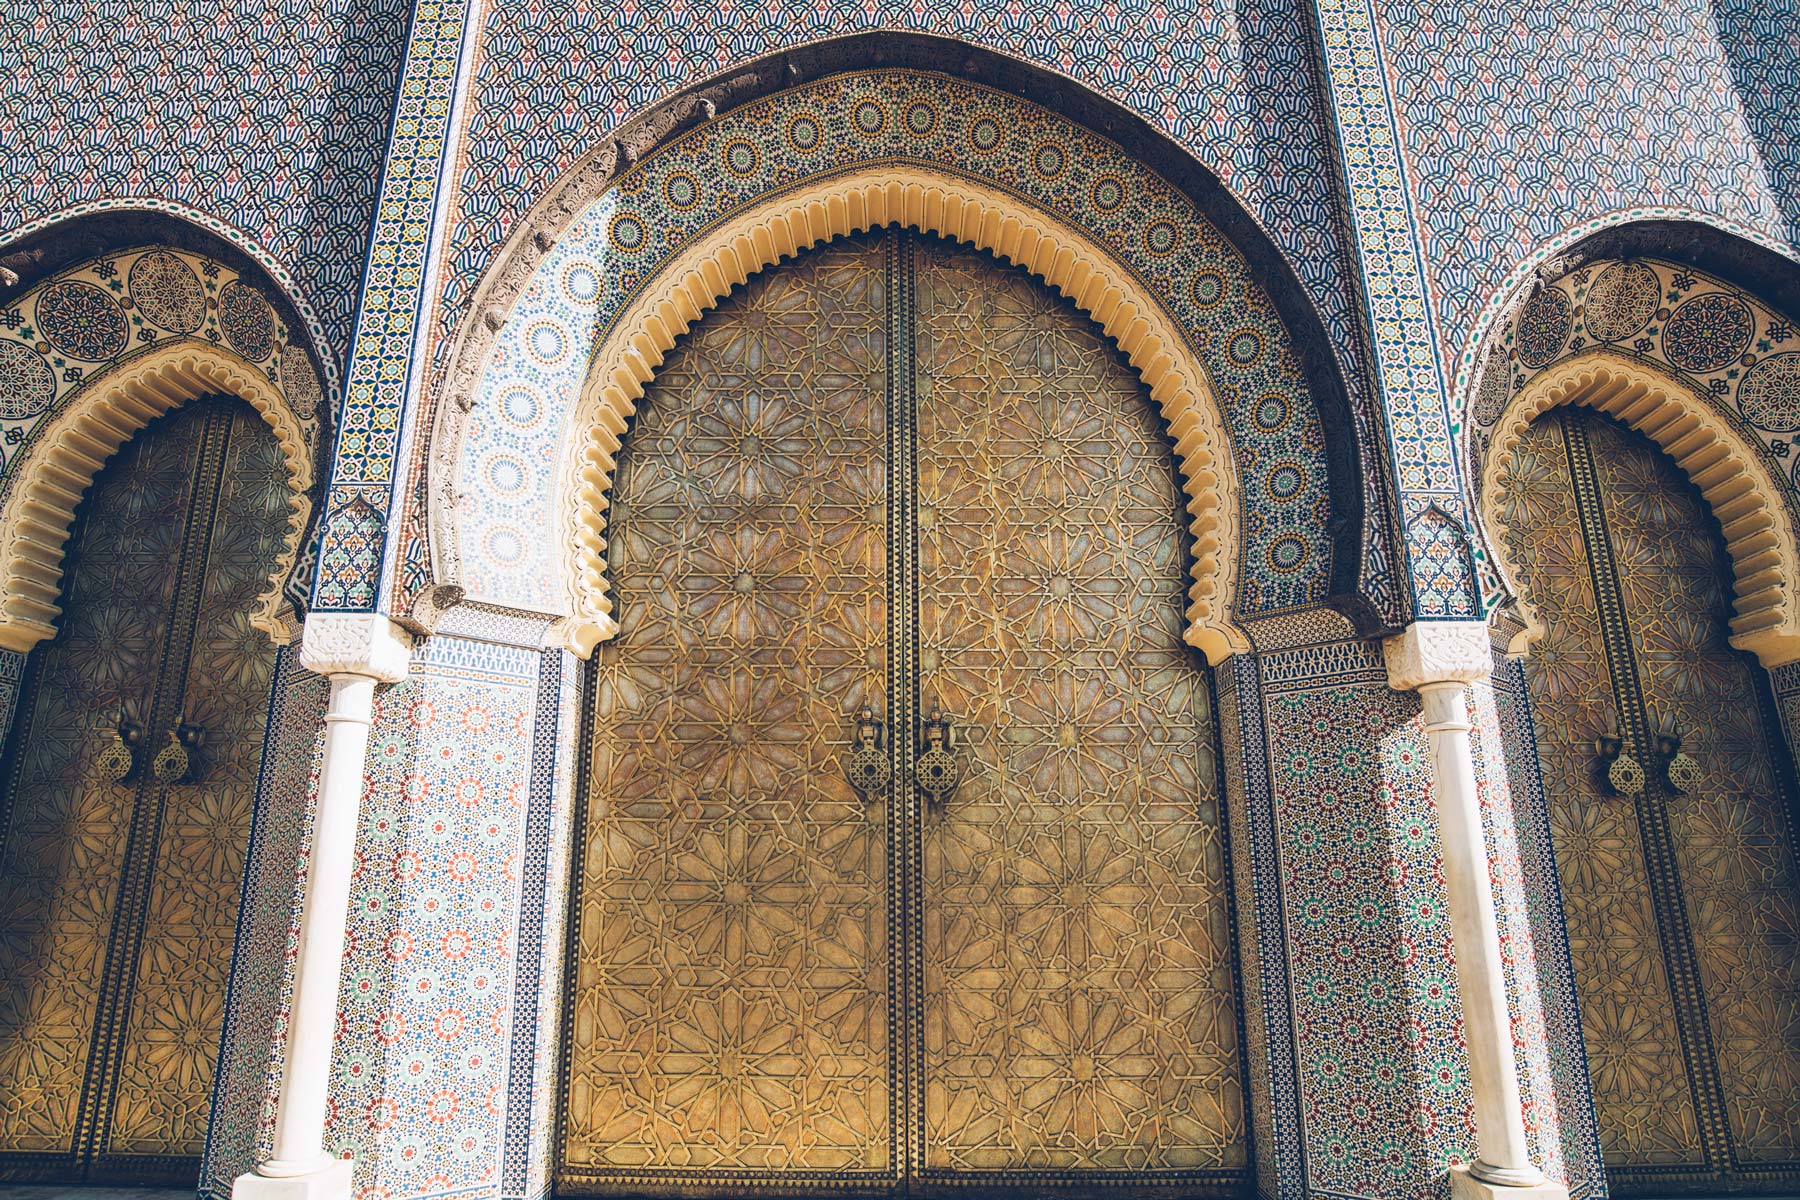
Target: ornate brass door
<point>1679,878</point>
<point>122,894</point>
<point>896,475</point>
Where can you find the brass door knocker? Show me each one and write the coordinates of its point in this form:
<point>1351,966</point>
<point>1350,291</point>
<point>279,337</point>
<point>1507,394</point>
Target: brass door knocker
<point>118,757</point>
<point>1680,771</point>
<point>175,762</point>
<point>1623,775</point>
<point>867,764</point>
<point>937,771</point>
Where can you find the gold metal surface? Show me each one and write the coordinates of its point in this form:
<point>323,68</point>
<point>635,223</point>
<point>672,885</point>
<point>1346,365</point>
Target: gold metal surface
<point>731,1003</point>
<point>1681,905</point>
<point>1078,990</point>
<point>123,895</point>
<point>840,496</point>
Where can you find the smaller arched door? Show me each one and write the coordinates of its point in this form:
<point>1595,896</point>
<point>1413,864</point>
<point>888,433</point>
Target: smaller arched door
<point>1678,874</point>
<point>121,863</point>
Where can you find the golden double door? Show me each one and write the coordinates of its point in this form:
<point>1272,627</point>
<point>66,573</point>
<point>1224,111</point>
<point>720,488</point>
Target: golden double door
<point>897,476</point>
<point>1674,836</point>
<point>129,779</point>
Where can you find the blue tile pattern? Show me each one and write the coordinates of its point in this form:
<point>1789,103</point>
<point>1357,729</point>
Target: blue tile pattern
<point>1228,80</point>
<point>1519,122</point>
<point>264,122</point>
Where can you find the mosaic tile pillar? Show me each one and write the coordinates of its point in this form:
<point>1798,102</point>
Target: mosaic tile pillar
<point>1547,1038</point>
<point>1398,314</point>
<point>444,1064</point>
<point>1344,934</point>
<point>1261,932</point>
<point>250,1052</point>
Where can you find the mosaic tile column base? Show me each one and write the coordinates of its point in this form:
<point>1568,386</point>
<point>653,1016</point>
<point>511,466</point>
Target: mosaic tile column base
<point>445,1053</point>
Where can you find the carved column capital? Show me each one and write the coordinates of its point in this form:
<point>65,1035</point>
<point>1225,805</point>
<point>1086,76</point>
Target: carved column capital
<point>355,644</point>
<point>1428,652</point>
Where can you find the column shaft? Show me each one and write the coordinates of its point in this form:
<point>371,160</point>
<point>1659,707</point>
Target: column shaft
<point>1503,1156</point>
<point>299,1142</point>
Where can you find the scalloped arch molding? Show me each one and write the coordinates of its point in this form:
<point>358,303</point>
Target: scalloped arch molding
<point>98,352</point>
<point>521,465</point>
<point>1704,369</point>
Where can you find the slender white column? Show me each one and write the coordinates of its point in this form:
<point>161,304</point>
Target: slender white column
<point>356,653</point>
<point>1440,660</point>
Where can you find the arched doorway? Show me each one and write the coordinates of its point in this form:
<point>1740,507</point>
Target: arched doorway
<point>1678,874</point>
<point>896,475</point>
<point>130,775</point>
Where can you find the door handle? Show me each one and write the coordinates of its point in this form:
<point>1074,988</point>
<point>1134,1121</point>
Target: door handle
<point>1680,770</point>
<point>867,766</point>
<point>937,770</point>
<point>118,757</point>
<point>174,763</point>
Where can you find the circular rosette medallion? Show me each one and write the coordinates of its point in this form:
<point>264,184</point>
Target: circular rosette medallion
<point>1707,332</point>
<point>82,321</point>
<point>167,292</point>
<point>248,323</point>
<point>27,384</point>
<point>1621,302</point>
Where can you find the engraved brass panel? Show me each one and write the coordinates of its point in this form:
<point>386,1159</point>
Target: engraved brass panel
<point>1078,990</point>
<point>890,475</point>
<point>731,989</point>
<point>1681,906</point>
<point>124,895</point>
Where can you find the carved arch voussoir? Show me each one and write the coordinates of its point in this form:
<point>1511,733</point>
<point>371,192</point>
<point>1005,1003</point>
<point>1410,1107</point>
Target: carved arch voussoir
<point>1743,495</point>
<point>914,197</point>
<point>47,481</point>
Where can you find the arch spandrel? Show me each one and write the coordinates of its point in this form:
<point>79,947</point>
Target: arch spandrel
<point>530,446</point>
<point>1703,368</point>
<point>93,354</point>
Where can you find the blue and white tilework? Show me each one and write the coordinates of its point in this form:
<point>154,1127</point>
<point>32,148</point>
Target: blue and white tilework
<point>380,373</point>
<point>1519,122</point>
<point>262,967</point>
<point>426,1021</point>
<point>1230,82</point>
<point>1382,1078</point>
<point>615,249</point>
<point>1551,1057</point>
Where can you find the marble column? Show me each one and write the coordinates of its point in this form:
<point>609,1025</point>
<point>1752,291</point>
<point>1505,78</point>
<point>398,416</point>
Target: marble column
<point>355,652</point>
<point>1439,660</point>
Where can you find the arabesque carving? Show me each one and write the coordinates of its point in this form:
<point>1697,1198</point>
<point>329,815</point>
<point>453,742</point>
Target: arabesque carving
<point>48,479</point>
<point>1737,486</point>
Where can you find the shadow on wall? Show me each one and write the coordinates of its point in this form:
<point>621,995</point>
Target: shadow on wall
<point>1761,40</point>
